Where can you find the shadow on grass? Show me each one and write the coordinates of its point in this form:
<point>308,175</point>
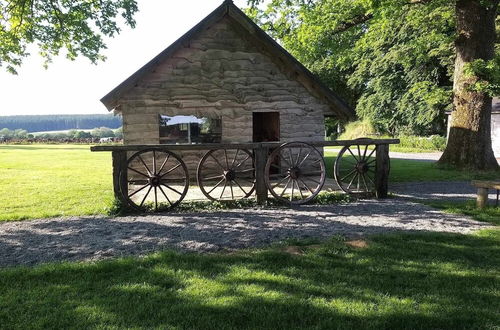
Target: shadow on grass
<point>398,281</point>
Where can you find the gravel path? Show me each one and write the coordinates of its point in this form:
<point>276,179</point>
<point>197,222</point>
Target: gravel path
<point>94,238</point>
<point>451,191</point>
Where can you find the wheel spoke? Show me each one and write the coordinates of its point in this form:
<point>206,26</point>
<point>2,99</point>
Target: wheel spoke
<point>135,192</point>
<point>170,170</point>
<point>145,196</point>
<point>156,198</point>
<point>218,184</point>
<point>359,152</point>
<point>164,162</point>
<point>136,171</point>
<point>293,188</point>
<point>234,159</point>
<point>298,157</point>
<point>163,192</point>
<point>364,153</point>
<point>368,177</point>
<point>231,186</point>
<point>364,182</point>
<point>145,166</point>
<point>300,190</point>
<point>173,189</point>
<point>235,181</point>
<point>303,160</point>
<point>247,180</point>
<point>311,179</point>
<point>371,153</point>
<point>313,173</point>
<point>349,149</point>
<point>352,180</point>
<point>348,175</point>
<point>223,189</point>
<point>371,161</point>
<point>154,163</point>
<point>281,181</point>
<point>244,171</point>
<point>286,186</point>
<point>312,192</point>
<point>214,177</point>
<point>227,161</point>
<point>243,161</point>
<point>218,163</point>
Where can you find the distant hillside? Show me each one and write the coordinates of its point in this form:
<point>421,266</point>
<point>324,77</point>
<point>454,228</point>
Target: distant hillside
<point>44,123</point>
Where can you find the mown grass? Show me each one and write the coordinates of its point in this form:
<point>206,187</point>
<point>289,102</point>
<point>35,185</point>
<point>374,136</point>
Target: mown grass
<point>53,180</point>
<point>400,281</point>
<point>489,214</point>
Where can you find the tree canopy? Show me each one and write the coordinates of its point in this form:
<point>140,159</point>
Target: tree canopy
<point>391,60</point>
<point>75,26</point>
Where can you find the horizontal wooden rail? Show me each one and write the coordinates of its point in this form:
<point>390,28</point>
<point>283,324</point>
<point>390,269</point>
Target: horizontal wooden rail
<point>258,145</point>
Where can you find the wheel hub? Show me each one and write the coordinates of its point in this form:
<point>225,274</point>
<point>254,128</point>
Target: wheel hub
<point>230,175</point>
<point>294,172</point>
<point>362,167</point>
<point>155,180</point>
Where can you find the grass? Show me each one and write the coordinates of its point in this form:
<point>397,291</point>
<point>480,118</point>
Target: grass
<point>38,181</point>
<point>400,281</point>
<point>489,214</point>
<point>53,180</point>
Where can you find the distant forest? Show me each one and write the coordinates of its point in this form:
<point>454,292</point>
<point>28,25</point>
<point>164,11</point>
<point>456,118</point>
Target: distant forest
<point>45,123</point>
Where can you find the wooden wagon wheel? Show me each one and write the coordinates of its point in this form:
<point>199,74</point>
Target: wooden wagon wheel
<point>295,173</point>
<point>354,168</point>
<point>226,174</point>
<point>154,180</point>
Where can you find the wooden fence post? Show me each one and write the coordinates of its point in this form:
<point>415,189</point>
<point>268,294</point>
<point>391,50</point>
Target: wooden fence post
<point>382,170</point>
<point>119,163</point>
<point>260,168</point>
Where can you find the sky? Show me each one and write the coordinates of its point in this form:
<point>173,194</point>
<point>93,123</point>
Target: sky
<point>75,87</point>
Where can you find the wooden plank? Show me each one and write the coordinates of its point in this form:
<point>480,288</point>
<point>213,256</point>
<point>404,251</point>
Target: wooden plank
<point>208,146</point>
<point>486,184</point>
<point>119,163</point>
<point>482,197</point>
<point>382,171</point>
<point>260,167</point>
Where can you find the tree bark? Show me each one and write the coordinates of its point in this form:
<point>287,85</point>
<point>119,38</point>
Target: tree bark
<point>469,139</point>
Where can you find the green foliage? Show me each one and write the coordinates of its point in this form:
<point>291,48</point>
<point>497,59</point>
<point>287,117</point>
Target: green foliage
<point>16,134</point>
<point>431,143</point>
<point>392,60</point>
<point>44,123</point>
<point>102,132</point>
<point>76,26</point>
<point>358,129</point>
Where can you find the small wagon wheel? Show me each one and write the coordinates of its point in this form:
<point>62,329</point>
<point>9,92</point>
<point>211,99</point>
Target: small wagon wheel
<point>226,174</point>
<point>154,180</point>
<point>295,173</point>
<point>355,168</point>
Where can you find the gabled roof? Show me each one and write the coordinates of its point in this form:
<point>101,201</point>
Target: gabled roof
<point>310,81</point>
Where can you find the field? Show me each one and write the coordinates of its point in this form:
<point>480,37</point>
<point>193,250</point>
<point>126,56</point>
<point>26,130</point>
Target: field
<point>39,181</point>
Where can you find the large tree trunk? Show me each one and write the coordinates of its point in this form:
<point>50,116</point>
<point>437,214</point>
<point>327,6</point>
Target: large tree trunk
<point>469,141</point>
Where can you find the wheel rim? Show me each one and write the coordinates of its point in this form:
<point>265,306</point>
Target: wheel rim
<point>154,180</point>
<point>295,173</point>
<point>355,169</point>
<point>226,174</point>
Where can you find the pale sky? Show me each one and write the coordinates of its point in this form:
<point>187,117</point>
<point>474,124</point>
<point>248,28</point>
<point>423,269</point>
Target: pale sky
<point>75,87</point>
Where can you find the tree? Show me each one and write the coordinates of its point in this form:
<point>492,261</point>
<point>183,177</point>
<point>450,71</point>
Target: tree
<point>397,58</point>
<point>77,26</point>
<point>469,141</point>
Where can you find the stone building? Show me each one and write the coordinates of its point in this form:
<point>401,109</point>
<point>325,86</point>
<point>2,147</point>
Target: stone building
<point>225,80</point>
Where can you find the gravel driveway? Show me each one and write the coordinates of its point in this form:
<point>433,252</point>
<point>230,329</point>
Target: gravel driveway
<point>94,238</point>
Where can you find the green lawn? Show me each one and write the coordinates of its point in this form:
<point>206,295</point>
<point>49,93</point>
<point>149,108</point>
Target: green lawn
<point>56,180</point>
<point>400,281</point>
<point>53,180</point>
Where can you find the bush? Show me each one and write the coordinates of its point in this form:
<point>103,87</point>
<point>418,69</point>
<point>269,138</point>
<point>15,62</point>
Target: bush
<point>358,129</point>
<point>433,142</point>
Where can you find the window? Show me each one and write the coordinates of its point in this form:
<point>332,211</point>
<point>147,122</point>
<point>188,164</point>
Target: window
<point>190,129</point>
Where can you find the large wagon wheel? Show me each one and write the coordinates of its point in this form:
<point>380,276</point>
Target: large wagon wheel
<point>154,180</point>
<point>354,168</point>
<point>295,173</point>
<point>226,174</point>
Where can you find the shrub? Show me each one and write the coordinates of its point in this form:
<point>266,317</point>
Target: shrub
<point>358,129</point>
<point>433,142</point>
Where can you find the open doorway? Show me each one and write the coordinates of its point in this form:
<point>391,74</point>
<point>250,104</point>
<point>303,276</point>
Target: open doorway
<point>266,126</point>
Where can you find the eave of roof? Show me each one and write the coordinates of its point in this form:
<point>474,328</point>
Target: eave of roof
<point>111,99</point>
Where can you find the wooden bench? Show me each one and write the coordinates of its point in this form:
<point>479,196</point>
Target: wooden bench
<point>482,191</point>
